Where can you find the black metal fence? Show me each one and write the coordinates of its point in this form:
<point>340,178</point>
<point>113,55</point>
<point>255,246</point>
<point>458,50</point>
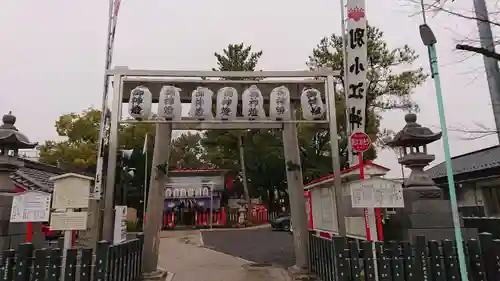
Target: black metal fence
<point>120,262</point>
<point>339,260</point>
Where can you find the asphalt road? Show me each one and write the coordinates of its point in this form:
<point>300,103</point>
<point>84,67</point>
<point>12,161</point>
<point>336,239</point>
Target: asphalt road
<point>258,245</point>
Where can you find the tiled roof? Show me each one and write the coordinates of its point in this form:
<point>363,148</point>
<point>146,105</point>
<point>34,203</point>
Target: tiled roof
<point>471,162</point>
<point>35,176</point>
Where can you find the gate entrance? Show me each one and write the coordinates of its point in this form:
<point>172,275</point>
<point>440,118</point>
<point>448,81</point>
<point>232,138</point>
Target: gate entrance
<point>243,100</point>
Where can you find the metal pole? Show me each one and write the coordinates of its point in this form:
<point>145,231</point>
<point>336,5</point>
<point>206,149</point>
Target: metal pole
<point>211,205</point>
<point>334,143</point>
<point>109,214</point>
<point>104,106</point>
<point>145,196</point>
<point>490,64</point>
<point>449,169</point>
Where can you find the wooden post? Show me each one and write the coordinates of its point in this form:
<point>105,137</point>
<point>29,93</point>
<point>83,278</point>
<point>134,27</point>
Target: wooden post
<point>156,197</point>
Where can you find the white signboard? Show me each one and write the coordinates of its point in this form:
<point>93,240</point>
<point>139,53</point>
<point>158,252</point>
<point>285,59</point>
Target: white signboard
<point>120,229</point>
<point>71,196</point>
<point>357,67</point>
<point>376,193</point>
<point>30,206</point>
<point>68,221</point>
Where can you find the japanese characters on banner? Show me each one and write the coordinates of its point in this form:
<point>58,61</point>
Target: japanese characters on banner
<point>279,108</point>
<point>201,104</point>
<point>312,104</point>
<point>227,103</point>
<point>169,104</point>
<point>139,105</point>
<point>357,67</point>
<point>253,103</point>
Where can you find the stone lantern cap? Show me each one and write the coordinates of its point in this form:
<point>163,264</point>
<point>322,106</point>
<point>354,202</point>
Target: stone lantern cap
<point>413,134</point>
<point>10,137</point>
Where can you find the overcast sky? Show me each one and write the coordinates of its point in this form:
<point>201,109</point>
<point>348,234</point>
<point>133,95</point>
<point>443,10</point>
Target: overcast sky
<point>52,53</point>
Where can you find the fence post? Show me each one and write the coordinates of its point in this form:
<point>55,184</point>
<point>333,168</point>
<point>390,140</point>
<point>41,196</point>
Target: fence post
<point>7,268</point>
<point>355,262</point>
<point>451,266</point>
<point>384,270</point>
<point>368,261</point>
<point>40,264</point>
<point>311,252</point>
<point>475,261</point>
<point>54,268</point>
<point>409,262</point>
<point>101,259</point>
<point>487,254</point>
<point>341,263</point>
<point>70,265</point>
<point>86,264</point>
<point>24,260</point>
<point>421,261</point>
<point>397,262</point>
<point>496,251</point>
<point>436,269</point>
<point>140,236</point>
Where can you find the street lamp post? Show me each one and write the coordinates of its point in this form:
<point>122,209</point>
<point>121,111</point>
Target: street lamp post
<point>429,40</point>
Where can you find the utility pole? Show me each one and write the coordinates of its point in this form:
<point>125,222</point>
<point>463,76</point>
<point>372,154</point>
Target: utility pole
<point>296,195</point>
<point>490,64</point>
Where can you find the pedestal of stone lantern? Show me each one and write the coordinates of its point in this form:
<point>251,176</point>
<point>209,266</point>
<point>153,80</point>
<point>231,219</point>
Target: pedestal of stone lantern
<point>426,212</point>
<point>12,234</point>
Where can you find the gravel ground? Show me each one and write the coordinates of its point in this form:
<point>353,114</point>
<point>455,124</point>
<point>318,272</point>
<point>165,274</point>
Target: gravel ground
<point>259,245</point>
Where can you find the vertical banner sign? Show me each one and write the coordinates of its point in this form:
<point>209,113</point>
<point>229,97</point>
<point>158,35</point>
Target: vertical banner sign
<point>357,67</point>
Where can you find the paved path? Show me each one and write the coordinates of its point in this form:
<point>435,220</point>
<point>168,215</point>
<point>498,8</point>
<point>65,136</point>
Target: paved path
<point>182,254</point>
<point>257,245</point>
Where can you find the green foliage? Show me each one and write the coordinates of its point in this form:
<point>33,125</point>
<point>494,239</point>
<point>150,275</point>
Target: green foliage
<point>389,88</point>
<point>391,81</point>
<point>79,150</point>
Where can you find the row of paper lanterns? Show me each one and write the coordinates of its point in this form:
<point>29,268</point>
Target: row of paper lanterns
<point>170,107</point>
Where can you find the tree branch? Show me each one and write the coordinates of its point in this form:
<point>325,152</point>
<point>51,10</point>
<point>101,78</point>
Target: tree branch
<point>482,51</point>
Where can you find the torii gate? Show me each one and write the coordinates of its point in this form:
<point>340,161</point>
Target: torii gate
<point>126,80</point>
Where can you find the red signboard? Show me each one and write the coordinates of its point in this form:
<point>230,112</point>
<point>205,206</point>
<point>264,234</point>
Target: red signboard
<point>360,142</point>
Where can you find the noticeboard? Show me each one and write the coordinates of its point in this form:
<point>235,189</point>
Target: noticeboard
<point>71,196</point>
<point>68,221</point>
<point>30,206</point>
<point>376,193</point>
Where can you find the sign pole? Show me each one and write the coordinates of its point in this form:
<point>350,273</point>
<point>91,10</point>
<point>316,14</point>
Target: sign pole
<point>29,232</point>
<point>365,210</point>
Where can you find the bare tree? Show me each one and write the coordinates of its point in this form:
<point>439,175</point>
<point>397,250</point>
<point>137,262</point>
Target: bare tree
<point>447,6</point>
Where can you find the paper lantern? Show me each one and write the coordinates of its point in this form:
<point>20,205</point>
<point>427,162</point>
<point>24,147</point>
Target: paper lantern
<point>279,108</point>
<point>253,103</point>
<point>169,103</point>
<point>227,102</point>
<point>312,104</point>
<point>139,105</point>
<point>201,103</point>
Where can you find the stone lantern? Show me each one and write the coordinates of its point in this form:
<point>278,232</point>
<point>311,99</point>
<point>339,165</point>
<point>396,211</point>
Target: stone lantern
<point>11,140</point>
<point>426,212</point>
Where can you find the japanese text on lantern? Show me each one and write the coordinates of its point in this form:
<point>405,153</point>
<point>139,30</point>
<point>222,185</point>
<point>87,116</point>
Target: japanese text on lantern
<point>357,67</point>
<point>253,103</point>
<point>140,103</point>
<point>227,101</point>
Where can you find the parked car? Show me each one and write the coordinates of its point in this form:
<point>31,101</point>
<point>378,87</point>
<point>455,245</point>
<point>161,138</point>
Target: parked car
<point>282,223</point>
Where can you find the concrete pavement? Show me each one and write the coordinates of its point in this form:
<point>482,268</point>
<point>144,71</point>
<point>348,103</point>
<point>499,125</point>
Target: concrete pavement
<point>182,254</point>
